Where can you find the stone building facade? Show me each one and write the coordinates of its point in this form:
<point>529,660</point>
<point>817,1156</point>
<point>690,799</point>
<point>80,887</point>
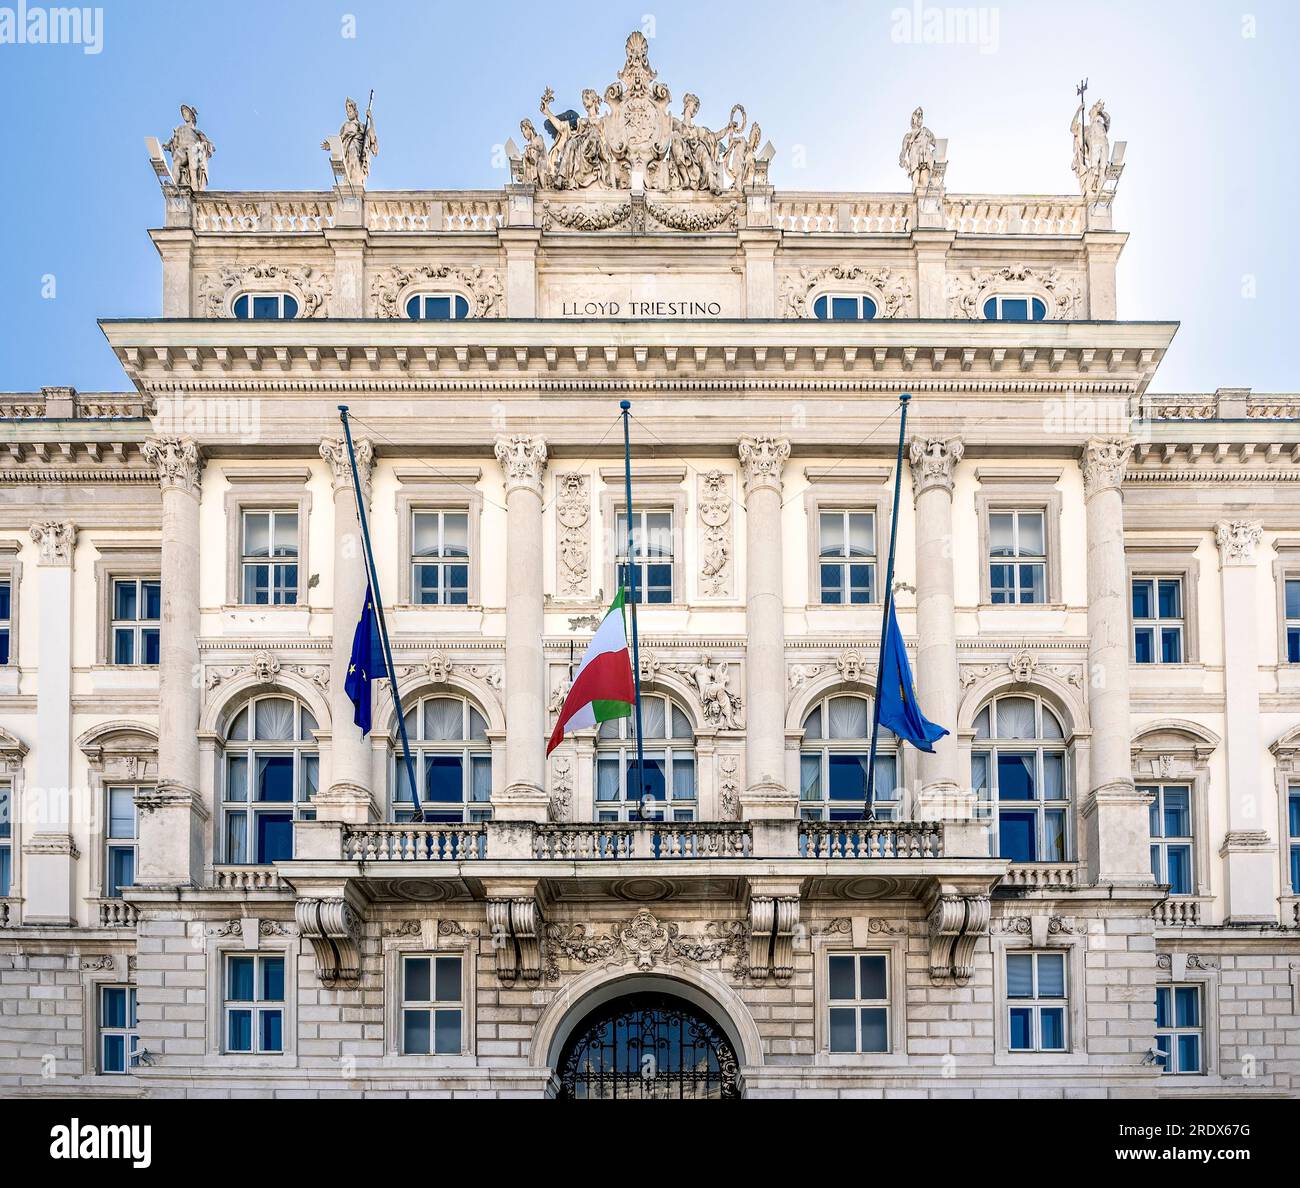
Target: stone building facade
<point>212,884</point>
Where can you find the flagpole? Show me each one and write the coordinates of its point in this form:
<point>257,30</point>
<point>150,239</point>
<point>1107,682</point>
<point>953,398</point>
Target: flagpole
<point>626,406</point>
<point>372,576</point>
<point>886,605</point>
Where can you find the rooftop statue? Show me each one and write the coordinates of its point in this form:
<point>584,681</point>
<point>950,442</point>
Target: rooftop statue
<point>917,156</point>
<point>628,138</point>
<point>1091,149</point>
<point>357,143</point>
<point>190,151</point>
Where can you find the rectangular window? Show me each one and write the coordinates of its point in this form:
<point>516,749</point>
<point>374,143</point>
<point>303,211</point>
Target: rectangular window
<point>121,840</point>
<point>1293,834</point>
<point>137,611</point>
<point>858,994</point>
<point>846,557</point>
<point>1017,557</point>
<point>269,557</point>
<point>6,838</point>
<point>1025,795</point>
<point>6,618</point>
<point>1292,611</point>
<point>432,1006</point>
<point>1179,1030</point>
<point>1037,1002</point>
<point>1171,837</point>
<point>254,1003</point>
<point>1157,605</point>
<point>440,558</point>
<point>652,554</point>
<point>118,1040</point>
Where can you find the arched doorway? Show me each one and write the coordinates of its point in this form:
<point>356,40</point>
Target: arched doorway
<point>648,1046</point>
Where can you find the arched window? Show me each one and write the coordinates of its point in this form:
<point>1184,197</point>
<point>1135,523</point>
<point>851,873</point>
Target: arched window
<point>1015,309</point>
<point>844,307</point>
<point>437,307</point>
<point>270,772</point>
<point>833,763</point>
<point>266,306</point>
<point>453,762</point>
<point>1021,774</point>
<point>669,749</point>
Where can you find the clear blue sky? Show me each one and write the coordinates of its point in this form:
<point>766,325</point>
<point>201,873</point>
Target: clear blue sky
<point>1198,92</point>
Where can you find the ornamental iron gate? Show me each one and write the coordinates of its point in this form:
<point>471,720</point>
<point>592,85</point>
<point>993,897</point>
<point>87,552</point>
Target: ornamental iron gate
<point>648,1047</point>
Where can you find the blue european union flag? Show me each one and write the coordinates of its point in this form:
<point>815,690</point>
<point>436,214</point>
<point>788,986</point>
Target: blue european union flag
<point>366,664</point>
<point>898,706</point>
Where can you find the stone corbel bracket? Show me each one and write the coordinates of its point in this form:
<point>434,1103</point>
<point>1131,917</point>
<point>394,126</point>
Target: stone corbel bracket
<point>334,929</point>
<point>517,927</point>
<point>958,919</point>
<point>773,923</point>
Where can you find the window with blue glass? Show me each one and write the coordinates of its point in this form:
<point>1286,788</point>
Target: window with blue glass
<point>1020,771</point>
<point>118,1041</point>
<point>1171,836</point>
<point>137,614</point>
<point>121,841</point>
<point>6,618</point>
<point>260,307</point>
<point>833,761</point>
<point>6,839</point>
<point>437,307</point>
<point>668,767</point>
<point>652,554</point>
<point>1037,1002</point>
<point>254,1003</point>
<point>269,556</point>
<point>1015,309</point>
<point>1157,614</point>
<point>433,1005</point>
<point>1179,1030</point>
<point>858,996</point>
<point>846,556</point>
<point>1292,612</point>
<point>1017,557</point>
<point>440,558</point>
<point>1293,832</point>
<point>453,761</point>
<point>271,773</point>
<point>844,307</point>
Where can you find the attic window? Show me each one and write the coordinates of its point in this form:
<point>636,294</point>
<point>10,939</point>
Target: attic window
<point>266,306</point>
<point>1015,309</point>
<point>839,307</point>
<point>437,307</point>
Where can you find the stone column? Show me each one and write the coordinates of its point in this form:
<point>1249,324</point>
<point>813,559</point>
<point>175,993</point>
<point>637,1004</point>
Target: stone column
<point>943,792</point>
<point>1248,849</point>
<point>49,849</point>
<point>523,459</point>
<point>172,818</point>
<point>349,796</point>
<point>765,795</point>
<point>1114,812</point>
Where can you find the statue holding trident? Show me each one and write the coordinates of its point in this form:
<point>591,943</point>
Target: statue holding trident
<point>1091,144</point>
<point>357,143</point>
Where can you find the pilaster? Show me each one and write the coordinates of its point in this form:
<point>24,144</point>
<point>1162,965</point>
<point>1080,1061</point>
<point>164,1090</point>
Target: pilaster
<point>520,244</point>
<point>347,297</point>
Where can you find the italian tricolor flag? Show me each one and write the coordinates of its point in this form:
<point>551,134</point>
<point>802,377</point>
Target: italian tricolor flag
<point>603,688</point>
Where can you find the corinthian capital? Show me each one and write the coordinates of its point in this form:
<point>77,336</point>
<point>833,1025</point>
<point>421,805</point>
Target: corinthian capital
<point>335,451</point>
<point>523,458</point>
<point>177,459</point>
<point>56,539</point>
<point>933,459</point>
<point>763,457</point>
<point>1103,462</point>
<point>1237,540</point>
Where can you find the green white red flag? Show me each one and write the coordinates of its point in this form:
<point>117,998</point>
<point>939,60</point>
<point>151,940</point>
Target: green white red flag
<point>603,687</point>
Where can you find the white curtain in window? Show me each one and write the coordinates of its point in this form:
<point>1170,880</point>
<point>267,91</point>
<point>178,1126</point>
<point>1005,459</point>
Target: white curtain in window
<point>812,724</point>
<point>477,724</point>
<point>238,731</point>
<point>681,724</point>
<point>443,719</point>
<point>1053,777</point>
<point>653,718</point>
<point>1051,725</point>
<point>683,776</point>
<point>273,719</point>
<point>607,778</point>
<point>848,718</point>
<point>810,777</point>
<point>481,778</point>
<point>309,724</point>
<point>1016,718</point>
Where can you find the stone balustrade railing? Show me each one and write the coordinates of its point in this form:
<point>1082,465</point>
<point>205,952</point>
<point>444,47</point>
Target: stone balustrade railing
<point>69,404</point>
<point>1227,404</point>
<point>1036,876</point>
<point>461,210</point>
<point>246,878</point>
<point>870,839</point>
<point>116,913</point>
<point>258,213</point>
<point>9,911</point>
<point>979,214</point>
<point>648,839</point>
<point>415,843</point>
<point>1177,913</point>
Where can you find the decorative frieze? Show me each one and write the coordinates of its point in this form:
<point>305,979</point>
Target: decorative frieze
<point>715,547</point>
<point>729,787</point>
<point>309,285</point>
<point>1023,666</point>
<point>723,709</point>
<point>850,664</point>
<point>561,789</point>
<point>647,943</point>
<point>890,289</point>
<point>573,535</point>
<point>392,287</point>
<point>967,290</point>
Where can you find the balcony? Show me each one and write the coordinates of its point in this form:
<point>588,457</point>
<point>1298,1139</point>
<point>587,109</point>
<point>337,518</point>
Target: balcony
<point>115,913</point>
